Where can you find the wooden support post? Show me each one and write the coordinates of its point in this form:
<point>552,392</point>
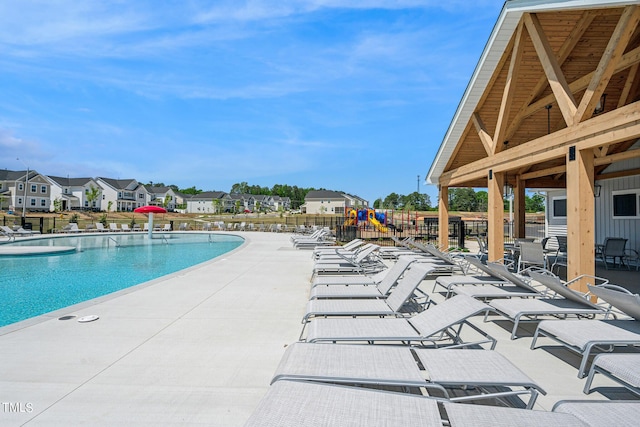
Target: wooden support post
<point>495,232</point>
<point>443,217</point>
<point>580,216</point>
<point>519,208</point>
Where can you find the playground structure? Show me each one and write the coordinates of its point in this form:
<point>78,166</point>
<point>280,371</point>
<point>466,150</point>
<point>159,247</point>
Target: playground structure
<point>370,216</point>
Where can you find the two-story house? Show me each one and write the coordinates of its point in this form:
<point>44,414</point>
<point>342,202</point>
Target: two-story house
<point>75,193</point>
<point>209,202</point>
<point>25,190</point>
<point>122,195</point>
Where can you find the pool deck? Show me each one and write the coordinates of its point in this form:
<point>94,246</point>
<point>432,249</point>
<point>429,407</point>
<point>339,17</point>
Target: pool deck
<point>199,347</point>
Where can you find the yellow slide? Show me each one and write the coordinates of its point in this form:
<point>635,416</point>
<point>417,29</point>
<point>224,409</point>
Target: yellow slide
<point>371,215</point>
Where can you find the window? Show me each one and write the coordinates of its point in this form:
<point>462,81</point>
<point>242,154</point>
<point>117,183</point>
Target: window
<point>66,191</point>
<point>33,202</point>
<point>43,189</point>
<point>626,204</point>
<point>141,196</point>
<point>559,207</point>
<point>43,203</point>
<point>34,188</point>
<point>20,187</point>
<point>20,201</point>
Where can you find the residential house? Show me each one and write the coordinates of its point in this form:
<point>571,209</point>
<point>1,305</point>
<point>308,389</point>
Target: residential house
<point>281,203</point>
<point>74,193</point>
<point>240,202</point>
<point>124,194</point>
<point>20,190</point>
<point>165,197</point>
<point>260,203</point>
<point>330,202</point>
<point>209,202</point>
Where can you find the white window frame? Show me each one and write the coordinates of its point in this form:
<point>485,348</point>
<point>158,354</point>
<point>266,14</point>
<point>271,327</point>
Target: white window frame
<point>553,210</point>
<point>634,191</point>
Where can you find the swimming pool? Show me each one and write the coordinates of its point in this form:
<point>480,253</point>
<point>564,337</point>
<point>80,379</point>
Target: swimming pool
<point>102,264</point>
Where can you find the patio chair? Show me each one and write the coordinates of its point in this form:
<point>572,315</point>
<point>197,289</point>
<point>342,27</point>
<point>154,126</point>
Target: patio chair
<point>518,286</point>
<point>296,404</point>
<point>566,302</point>
<point>601,413</point>
<point>113,227</point>
<point>583,413</point>
<point>339,254</point>
<point>388,306</point>
<point>72,227</point>
<point>471,375</point>
<point>623,368</point>
<point>166,227</point>
<point>583,336</point>
<point>489,277</point>
<point>438,325</point>
<point>613,248</point>
<point>8,231</point>
<point>560,258</point>
<point>531,255</point>
<point>379,289</point>
<point>100,227</point>
<point>453,263</point>
<point>365,261</point>
<point>334,249</point>
<point>125,227</point>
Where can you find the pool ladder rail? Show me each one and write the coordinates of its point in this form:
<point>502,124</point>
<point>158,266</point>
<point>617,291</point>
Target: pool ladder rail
<point>111,239</point>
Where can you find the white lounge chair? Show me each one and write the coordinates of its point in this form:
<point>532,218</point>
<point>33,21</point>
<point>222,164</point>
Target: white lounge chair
<point>390,305</point>
<point>113,226</point>
<point>471,374</point>
<point>583,336</point>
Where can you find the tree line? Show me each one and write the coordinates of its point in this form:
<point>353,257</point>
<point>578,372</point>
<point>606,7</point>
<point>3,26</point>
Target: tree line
<point>460,199</point>
<point>293,192</point>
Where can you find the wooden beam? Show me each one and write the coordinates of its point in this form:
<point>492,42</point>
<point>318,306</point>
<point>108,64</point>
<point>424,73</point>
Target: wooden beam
<point>619,174</point>
<point>616,126</point>
<point>557,81</point>
<point>487,143</point>
<point>624,96</point>
<point>625,155</point>
<point>608,62</point>
<point>508,91</point>
<point>629,59</point>
<point>495,216</point>
<point>519,226</point>
<point>443,217</point>
<point>567,47</point>
<point>544,172</point>
<point>580,216</point>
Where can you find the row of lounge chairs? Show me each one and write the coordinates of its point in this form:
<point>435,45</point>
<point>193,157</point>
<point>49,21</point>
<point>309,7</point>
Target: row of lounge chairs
<point>441,370</point>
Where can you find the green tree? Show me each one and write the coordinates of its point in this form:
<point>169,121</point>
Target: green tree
<point>463,199</point>
<point>535,203</point>
<point>377,204</point>
<point>392,201</point>
<point>216,205</point>
<point>482,199</point>
<point>239,188</point>
<point>237,206</point>
<point>92,195</point>
<point>190,190</point>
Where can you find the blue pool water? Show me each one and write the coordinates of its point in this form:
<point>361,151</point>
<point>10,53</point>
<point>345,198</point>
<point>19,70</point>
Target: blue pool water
<point>34,285</point>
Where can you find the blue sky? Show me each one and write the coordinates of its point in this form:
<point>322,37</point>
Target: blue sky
<point>345,95</point>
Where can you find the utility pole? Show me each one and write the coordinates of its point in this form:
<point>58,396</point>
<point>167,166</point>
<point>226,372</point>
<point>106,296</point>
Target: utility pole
<point>418,184</point>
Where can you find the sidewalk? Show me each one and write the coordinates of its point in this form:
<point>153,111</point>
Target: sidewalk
<point>197,347</point>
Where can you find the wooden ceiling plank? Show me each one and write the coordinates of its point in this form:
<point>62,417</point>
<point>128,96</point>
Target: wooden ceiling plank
<point>509,90</point>
<point>624,96</point>
<point>487,143</point>
<point>618,42</point>
<point>544,172</point>
<point>619,174</point>
<point>616,126</point>
<point>557,81</point>
<point>565,50</point>
<point>625,155</point>
<point>629,59</point>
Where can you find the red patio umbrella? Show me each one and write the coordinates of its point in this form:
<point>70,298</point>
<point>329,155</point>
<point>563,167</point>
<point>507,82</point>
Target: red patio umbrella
<point>150,210</point>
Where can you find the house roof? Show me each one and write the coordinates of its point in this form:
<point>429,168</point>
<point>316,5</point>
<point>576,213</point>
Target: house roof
<point>324,194</point>
<point>69,182</point>
<point>208,195</point>
<point>578,31</point>
<point>8,175</point>
<point>119,184</point>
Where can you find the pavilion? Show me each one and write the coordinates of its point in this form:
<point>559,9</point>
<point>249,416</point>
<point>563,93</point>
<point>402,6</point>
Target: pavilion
<point>552,103</point>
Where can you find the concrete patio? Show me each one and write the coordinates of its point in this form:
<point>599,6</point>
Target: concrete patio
<point>200,347</point>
